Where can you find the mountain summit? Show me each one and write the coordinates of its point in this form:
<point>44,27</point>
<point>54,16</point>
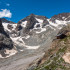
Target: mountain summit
<point>62,16</point>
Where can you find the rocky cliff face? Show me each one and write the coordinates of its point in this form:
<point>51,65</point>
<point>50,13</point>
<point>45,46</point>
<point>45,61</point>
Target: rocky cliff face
<point>62,17</point>
<point>5,41</point>
<point>4,38</point>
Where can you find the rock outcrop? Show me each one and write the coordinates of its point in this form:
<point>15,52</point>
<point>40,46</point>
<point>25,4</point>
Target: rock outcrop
<point>5,41</point>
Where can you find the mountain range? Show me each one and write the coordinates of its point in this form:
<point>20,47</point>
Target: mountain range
<point>32,35</point>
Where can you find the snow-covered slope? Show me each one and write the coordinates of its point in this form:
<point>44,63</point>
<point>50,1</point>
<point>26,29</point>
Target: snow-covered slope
<point>34,31</point>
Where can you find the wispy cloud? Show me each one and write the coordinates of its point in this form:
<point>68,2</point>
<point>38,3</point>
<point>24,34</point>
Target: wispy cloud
<point>5,13</point>
<point>7,4</point>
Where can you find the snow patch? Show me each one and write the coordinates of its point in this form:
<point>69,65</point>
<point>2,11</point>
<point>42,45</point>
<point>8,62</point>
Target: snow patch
<point>9,53</point>
<point>5,27</point>
<point>57,23</point>
<point>36,25</point>
<point>67,17</point>
<point>14,26</point>
<point>24,23</point>
<point>63,17</point>
<point>32,47</point>
<point>40,23</point>
<point>39,20</point>
<point>28,36</point>
<point>21,50</point>
<point>42,30</point>
<point>19,41</point>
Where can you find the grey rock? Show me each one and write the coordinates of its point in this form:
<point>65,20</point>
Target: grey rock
<point>62,16</point>
<point>5,41</point>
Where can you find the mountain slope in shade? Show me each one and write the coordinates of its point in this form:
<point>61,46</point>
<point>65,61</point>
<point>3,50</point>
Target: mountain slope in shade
<point>6,44</point>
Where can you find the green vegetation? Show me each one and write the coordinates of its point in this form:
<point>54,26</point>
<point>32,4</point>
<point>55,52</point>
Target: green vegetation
<point>65,39</point>
<point>61,50</point>
<point>56,62</point>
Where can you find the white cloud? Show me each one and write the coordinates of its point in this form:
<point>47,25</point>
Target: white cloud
<point>5,13</point>
<point>7,4</point>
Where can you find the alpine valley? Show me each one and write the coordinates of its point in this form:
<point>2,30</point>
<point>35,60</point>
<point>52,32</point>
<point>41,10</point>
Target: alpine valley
<point>35,43</point>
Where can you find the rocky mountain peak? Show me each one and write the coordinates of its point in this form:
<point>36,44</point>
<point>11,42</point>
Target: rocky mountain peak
<point>27,18</point>
<point>31,22</point>
<point>32,14</point>
<point>6,21</point>
<point>2,29</point>
<point>62,16</point>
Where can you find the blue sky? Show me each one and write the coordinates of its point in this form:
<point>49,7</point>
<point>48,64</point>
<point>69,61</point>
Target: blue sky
<point>16,10</point>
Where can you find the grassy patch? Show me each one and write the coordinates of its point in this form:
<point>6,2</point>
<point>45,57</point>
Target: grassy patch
<point>56,62</point>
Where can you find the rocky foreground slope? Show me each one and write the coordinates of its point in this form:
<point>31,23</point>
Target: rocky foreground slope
<point>58,56</point>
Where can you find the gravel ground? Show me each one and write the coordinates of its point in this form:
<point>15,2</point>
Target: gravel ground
<point>18,63</point>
